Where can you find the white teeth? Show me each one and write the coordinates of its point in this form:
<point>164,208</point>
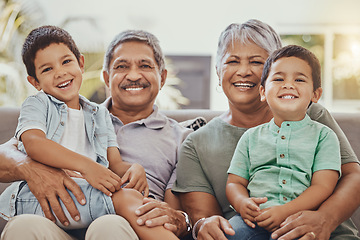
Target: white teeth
<point>247,85</point>
<point>64,84</point>
<point>288,97</point>
<point>134,89</point>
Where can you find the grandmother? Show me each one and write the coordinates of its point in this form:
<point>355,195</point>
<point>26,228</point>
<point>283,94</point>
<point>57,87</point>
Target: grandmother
<point>206,154</point>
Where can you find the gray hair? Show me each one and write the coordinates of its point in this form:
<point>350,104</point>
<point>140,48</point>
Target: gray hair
<point>135,35</point>
<point>251,31</point>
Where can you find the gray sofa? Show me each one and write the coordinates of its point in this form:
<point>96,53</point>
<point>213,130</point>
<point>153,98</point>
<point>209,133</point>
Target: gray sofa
<point>349,122</point>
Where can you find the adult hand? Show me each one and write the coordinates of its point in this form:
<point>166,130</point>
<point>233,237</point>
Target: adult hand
<point>156,213</point>
<point>214,228</point>
<point>48,185</point>
<point>304,225</point>
<point>136,178</point>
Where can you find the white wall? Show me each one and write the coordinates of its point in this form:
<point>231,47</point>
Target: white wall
<point>193,26</point>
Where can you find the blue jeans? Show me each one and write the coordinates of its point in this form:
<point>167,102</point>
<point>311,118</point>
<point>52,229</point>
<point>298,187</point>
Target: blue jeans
<point>244,232</point>
<point>97,204</point>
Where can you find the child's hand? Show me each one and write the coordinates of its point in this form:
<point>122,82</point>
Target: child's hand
<point>271,218</point>
<point>101,178</point>
<point>136,177</point>
<point>249,210</point>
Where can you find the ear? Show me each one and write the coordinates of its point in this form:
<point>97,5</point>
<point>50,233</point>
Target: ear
<point>316,95</point>
<point>163,78</point>
<point>82,63</point>
<point>262,93</point>
<point>34,82</point>
<point>106,78</point>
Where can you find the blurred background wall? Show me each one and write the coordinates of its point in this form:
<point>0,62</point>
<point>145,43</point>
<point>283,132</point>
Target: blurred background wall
<point>188,31</point>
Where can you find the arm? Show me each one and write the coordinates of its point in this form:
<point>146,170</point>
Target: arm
<point>238,197</point>
<point>46,183</point>
<point>322,185</point>
<point>330,214</point>
<point>134,174</point>
<point>43,150</point>
<point>204,205</point>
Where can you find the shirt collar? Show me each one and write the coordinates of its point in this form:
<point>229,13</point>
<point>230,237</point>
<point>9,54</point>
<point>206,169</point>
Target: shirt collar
<point>155,120</point>
<point>290,124</point>
<point>84,102</point>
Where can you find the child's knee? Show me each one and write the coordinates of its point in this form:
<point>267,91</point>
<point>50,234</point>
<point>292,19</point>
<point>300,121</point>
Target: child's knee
<point>127,200</point>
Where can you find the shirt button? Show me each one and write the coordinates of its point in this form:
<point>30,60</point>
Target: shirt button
<point>62,123</point>
<point>283,137</point>
<point>12,196</point>
<point>285,198</point>
<point>284,181</point>
<point>282,155</point>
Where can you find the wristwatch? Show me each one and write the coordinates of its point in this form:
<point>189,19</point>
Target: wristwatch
<point>187,220</point>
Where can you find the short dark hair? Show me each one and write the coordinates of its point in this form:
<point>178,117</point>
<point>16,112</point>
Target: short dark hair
<point>40,38</point>
<point>294,51</point>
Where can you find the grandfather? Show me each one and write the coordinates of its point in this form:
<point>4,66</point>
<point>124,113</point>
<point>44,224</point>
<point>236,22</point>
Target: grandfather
<point>134,71</point>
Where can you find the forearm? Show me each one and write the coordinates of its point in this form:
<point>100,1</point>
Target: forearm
<point>338,207</point>
<point>53,154</point>
<point>236,193</point>
<point>199,205</point>
<point>116,164</point>
<point>13,163</point>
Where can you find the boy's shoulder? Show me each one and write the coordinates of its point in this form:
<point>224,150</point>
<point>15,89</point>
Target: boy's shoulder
<point>38,98</point>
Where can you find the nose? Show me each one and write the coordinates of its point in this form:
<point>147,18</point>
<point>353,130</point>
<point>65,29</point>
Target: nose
<point>288,85</point>
<point>243,70</point>
<point>133,74</point>
<point>60,72</point>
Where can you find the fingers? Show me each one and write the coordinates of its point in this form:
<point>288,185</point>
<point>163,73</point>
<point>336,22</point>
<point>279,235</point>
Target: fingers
<point>212,228</point>
<point>249,223</point>
<point>146,190</point>
<point>150,212</point>
<point>71,185</point>
<point>47,212</point>
<point>226,226</point>
<point>259,201</point>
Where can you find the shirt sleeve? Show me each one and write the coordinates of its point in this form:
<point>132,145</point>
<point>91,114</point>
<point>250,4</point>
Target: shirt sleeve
<point>240,163</point>
<point>112,141</point>
<point>327,155</point>
<point>33,115</point>
<point>318,113</point>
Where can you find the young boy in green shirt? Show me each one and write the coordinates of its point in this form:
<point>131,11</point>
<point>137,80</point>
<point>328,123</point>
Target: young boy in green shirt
<point>289,164</point>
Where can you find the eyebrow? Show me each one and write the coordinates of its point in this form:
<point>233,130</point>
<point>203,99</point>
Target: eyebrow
<point>296,73</point>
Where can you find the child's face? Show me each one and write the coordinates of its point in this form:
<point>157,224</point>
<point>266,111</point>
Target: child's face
<point>289,89</point>
<point>59,73</point>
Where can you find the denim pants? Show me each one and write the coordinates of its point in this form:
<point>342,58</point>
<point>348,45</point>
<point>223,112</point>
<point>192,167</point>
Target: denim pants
<point>244,232</point>
<point>97,204</point>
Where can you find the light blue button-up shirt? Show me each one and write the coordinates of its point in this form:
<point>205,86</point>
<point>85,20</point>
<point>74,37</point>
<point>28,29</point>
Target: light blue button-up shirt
<point>44,112</point>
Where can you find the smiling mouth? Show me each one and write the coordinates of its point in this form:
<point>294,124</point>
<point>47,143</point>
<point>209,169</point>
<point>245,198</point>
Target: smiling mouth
<point>288,97</point>
<point>133,88</point>
<point>244,84</point>
<point>64,84</point>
